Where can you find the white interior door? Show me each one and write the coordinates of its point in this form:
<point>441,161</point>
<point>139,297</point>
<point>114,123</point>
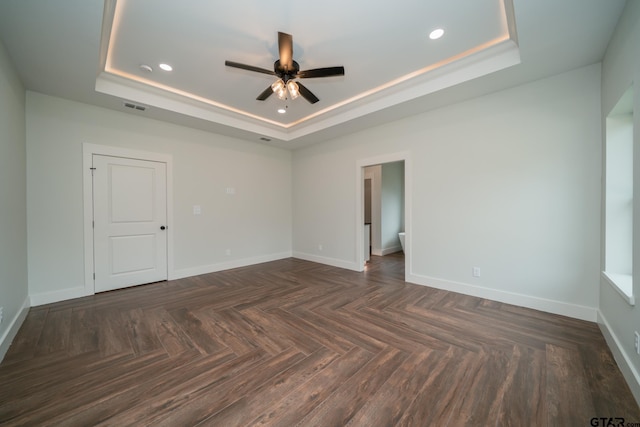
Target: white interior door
<point>130,218</point>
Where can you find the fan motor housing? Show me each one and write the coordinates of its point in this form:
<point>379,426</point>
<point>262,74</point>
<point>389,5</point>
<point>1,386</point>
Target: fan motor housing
<point>282,72</point>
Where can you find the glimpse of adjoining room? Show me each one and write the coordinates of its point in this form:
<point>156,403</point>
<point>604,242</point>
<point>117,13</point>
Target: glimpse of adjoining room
<point>384,208</point>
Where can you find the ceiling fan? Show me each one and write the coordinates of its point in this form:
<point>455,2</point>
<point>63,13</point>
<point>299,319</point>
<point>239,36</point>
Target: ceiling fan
<point>286,69</point>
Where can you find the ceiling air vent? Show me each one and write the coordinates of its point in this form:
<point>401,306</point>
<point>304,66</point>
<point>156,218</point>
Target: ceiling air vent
<point>134,106</point>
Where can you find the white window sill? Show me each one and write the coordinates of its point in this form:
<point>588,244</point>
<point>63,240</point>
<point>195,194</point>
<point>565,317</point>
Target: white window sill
<point>623,283</point>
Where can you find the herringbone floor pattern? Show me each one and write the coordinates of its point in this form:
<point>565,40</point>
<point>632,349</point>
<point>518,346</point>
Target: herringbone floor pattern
<point>296,343</point>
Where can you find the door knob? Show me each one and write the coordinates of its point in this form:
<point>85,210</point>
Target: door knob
<point>162,227</point>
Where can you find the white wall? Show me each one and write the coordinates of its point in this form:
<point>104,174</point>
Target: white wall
<point>621,68</point>
<point>255,223</point>
<point>508,182</point>
<point>13,203</point>
<point>392,200</point>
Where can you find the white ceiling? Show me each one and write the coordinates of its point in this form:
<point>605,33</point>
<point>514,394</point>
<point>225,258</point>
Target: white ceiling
<point>91,51</point>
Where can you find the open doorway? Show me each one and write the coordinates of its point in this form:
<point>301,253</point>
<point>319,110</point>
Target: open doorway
<point>384,207</point>
<point>383,201</point>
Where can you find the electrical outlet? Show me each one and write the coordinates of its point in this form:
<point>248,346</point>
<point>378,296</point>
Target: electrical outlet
<point>319,247</point>
<point>476,271</point>
<point>636,341</point>
<point>228,252</point>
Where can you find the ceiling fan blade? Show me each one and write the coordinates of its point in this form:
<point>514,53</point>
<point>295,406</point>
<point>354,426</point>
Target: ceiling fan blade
<point>321,72</point>
<point>306,94</point>
<point>264,95</point>
<point>285,45</point>
<point>249,67</point>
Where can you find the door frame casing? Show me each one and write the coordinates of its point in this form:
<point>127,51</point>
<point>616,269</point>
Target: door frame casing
<point>88,151</point>
<point>408,191</point>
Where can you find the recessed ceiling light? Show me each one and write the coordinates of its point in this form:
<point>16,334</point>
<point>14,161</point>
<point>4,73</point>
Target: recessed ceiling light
<point>436,34</point>
<point>146,68</point>
<point>165,67</point>
<point>282,110</point>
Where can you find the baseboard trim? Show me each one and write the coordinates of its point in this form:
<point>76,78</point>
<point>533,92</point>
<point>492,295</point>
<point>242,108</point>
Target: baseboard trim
<point>14,327</point>
<point>622,358</point>
<point>57,296</point>
<point>391,250</point>
<point>72,293</point>
<point>227,265</point>
<point>349,265</point>
<point>536,303</point>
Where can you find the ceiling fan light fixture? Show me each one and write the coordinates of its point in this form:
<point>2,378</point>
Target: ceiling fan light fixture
<point>279,89</point>
<point>286,69</point>
<point>293,89</point>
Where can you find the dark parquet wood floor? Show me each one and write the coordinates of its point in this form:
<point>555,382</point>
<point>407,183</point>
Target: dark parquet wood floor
<point>296,343</point>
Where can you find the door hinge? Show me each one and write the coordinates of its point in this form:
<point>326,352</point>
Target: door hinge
<point>92,169</point>
<point>94,276</point>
